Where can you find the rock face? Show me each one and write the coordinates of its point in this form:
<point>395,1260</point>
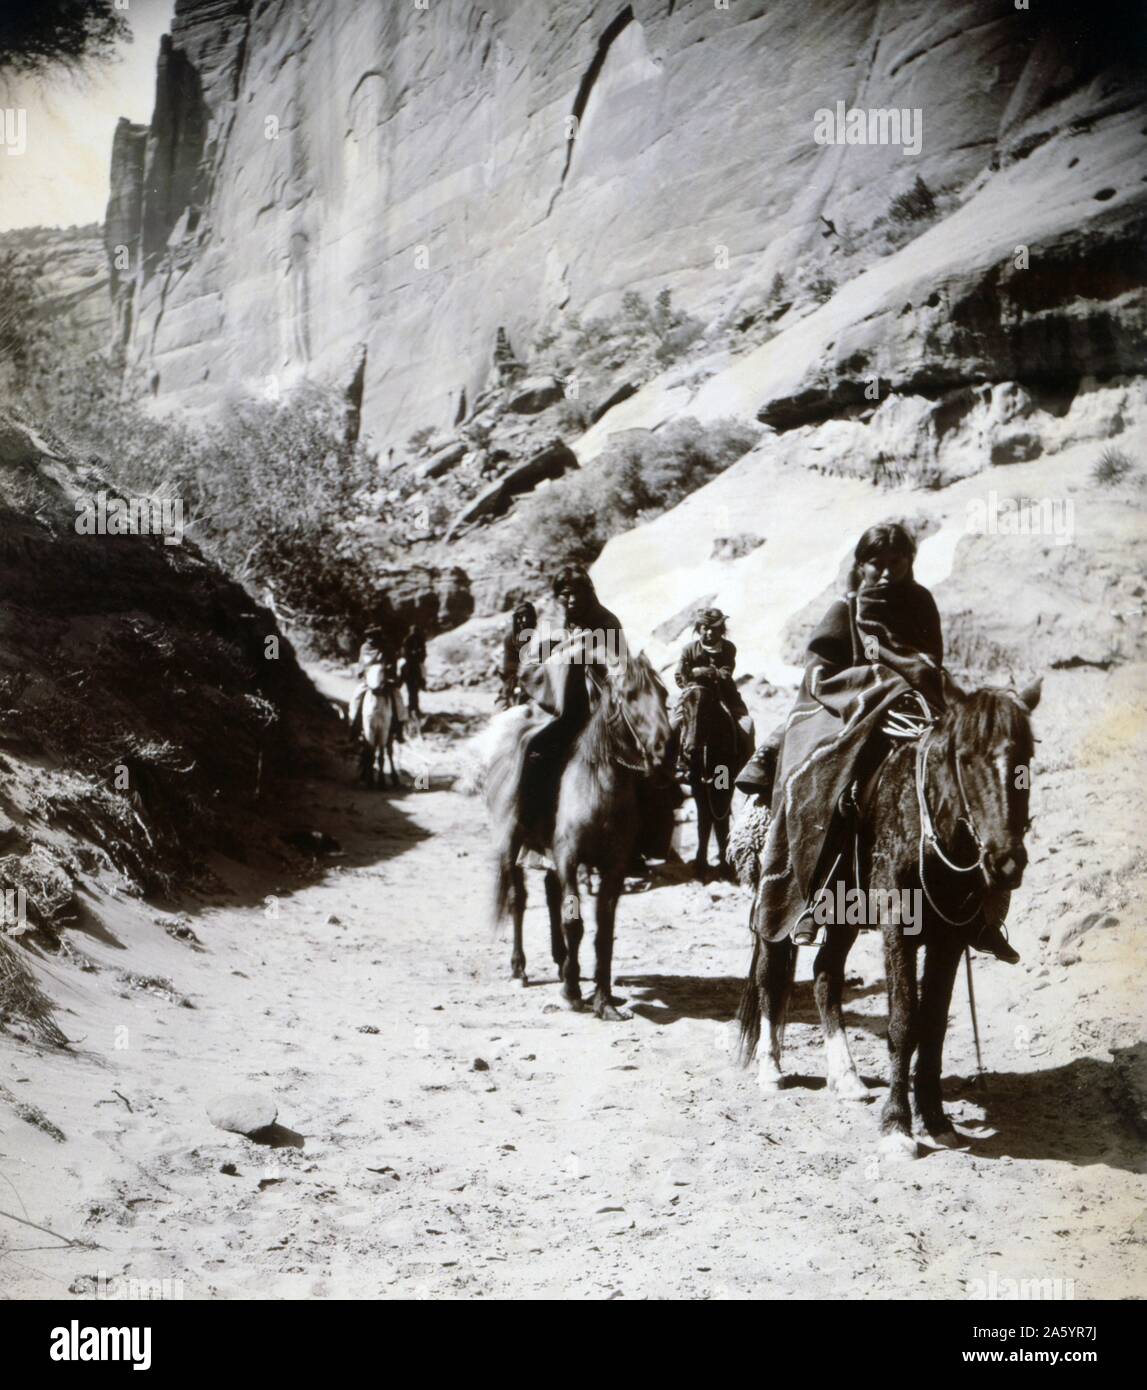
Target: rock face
<point>70,269</point>
<point>436,599</point>
<point>323,176</point>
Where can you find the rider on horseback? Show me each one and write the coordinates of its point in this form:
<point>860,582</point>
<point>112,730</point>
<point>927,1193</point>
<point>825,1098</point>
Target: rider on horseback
<point>413,666</point>
<point>709,660</point>
<point>560,677</point>
<point>877,650</point>
<point>523,626</point>
<point>374,652</point>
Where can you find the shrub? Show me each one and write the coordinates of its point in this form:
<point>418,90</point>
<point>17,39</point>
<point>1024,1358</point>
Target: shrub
<point>420,439</point>
<point>641,337</point>
<point>20,298</point>
<point>913,205</point>
<point>634,480</point>
<point>1112,467</point>
<point>268,491</point>
<point>820,285</point>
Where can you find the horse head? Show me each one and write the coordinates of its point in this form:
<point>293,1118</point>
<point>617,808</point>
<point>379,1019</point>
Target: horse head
<point>638,713</point>
<point>989,753</point>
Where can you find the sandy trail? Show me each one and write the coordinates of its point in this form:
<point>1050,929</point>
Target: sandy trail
<point>576,1158</point>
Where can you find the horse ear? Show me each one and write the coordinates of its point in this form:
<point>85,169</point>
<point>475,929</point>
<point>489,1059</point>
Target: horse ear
<point>1029,695</point>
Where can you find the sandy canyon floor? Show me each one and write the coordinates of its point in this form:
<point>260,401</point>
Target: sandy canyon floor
<point>444,1135</point>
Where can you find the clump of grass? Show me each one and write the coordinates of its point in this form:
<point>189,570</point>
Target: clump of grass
<point>22,1003</point>
<point>914,204</point>
<point>1112,467</point>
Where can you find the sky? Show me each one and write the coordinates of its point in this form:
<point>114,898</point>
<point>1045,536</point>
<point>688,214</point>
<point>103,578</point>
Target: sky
<point>61,179</point>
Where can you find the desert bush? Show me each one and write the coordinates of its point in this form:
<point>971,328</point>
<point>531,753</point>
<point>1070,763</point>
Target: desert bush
<point>420,439</point>
<point>268,490</point>
<point>635,479</point>
<point>820,285</point>
<point>574,417</point>
<point>914,204</point>
<point>1112,466</point>
<point>20,297</point>
<point>641,337</point>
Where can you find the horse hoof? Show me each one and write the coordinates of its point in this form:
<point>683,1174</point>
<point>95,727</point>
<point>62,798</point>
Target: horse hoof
<point>610,1013</point>
<point>898,1147</point>
<point>573,1006</point>
<point>519,981</point>
<point>850,1087</point>
<point>947,1139</point>
<point>768,1080</point>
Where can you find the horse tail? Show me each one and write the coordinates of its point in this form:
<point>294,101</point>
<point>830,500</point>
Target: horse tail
<point>503,885</point>
<point>749,1011</point>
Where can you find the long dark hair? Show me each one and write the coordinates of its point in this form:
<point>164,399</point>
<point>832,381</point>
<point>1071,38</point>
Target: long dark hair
<point>888,535</point>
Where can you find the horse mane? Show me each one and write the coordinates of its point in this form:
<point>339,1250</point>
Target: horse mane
<point>987,716</point>
<point>599,743</point>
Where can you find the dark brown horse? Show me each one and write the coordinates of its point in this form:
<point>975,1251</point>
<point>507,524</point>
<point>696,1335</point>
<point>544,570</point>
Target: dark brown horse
<point>945,822</point>
<point>595,822</point>
<point>718,751</point>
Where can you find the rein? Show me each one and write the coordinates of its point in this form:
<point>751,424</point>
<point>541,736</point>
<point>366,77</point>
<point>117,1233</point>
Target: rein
<point>928,834</point>
<point>618,713</point>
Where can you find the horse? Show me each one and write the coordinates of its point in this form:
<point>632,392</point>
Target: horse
<point>381,722</point>
<point>594,823</point>
<point>718,752</point>
<point>946,820</point>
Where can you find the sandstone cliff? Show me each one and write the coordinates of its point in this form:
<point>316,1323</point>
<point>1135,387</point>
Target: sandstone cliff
<point>320,177</point>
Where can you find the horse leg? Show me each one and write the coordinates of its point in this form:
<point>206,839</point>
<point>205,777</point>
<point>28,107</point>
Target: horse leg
<point>828,989</point>
<point>900,969</point>
<point>395,781</point>
<point>365,762</point>
<point>941,960</point>
<point>517,912</point>
<point>607,895</point>
<point>554,905</point>
<point>704,825</point>
<point>721,827</point>
<point>572,929</point>
<point>775,978</point>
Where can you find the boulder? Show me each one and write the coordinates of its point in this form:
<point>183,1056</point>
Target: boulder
<point>443,460</point>
<point>242,1112</point>
<point>551,462</point>
<point>622,393</point>
<point>535,394</point>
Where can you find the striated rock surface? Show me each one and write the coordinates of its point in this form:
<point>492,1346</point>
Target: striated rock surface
<point>70,269</point>
<point>323,176</point>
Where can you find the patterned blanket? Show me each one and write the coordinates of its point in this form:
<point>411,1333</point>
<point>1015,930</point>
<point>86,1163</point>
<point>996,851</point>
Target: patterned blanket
<point>869,650</point>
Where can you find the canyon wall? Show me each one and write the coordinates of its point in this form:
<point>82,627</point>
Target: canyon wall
<point>324,178</point>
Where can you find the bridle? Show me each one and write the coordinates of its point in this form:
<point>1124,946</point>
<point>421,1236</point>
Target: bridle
<point>619,714</point>
<point>928,836</point>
